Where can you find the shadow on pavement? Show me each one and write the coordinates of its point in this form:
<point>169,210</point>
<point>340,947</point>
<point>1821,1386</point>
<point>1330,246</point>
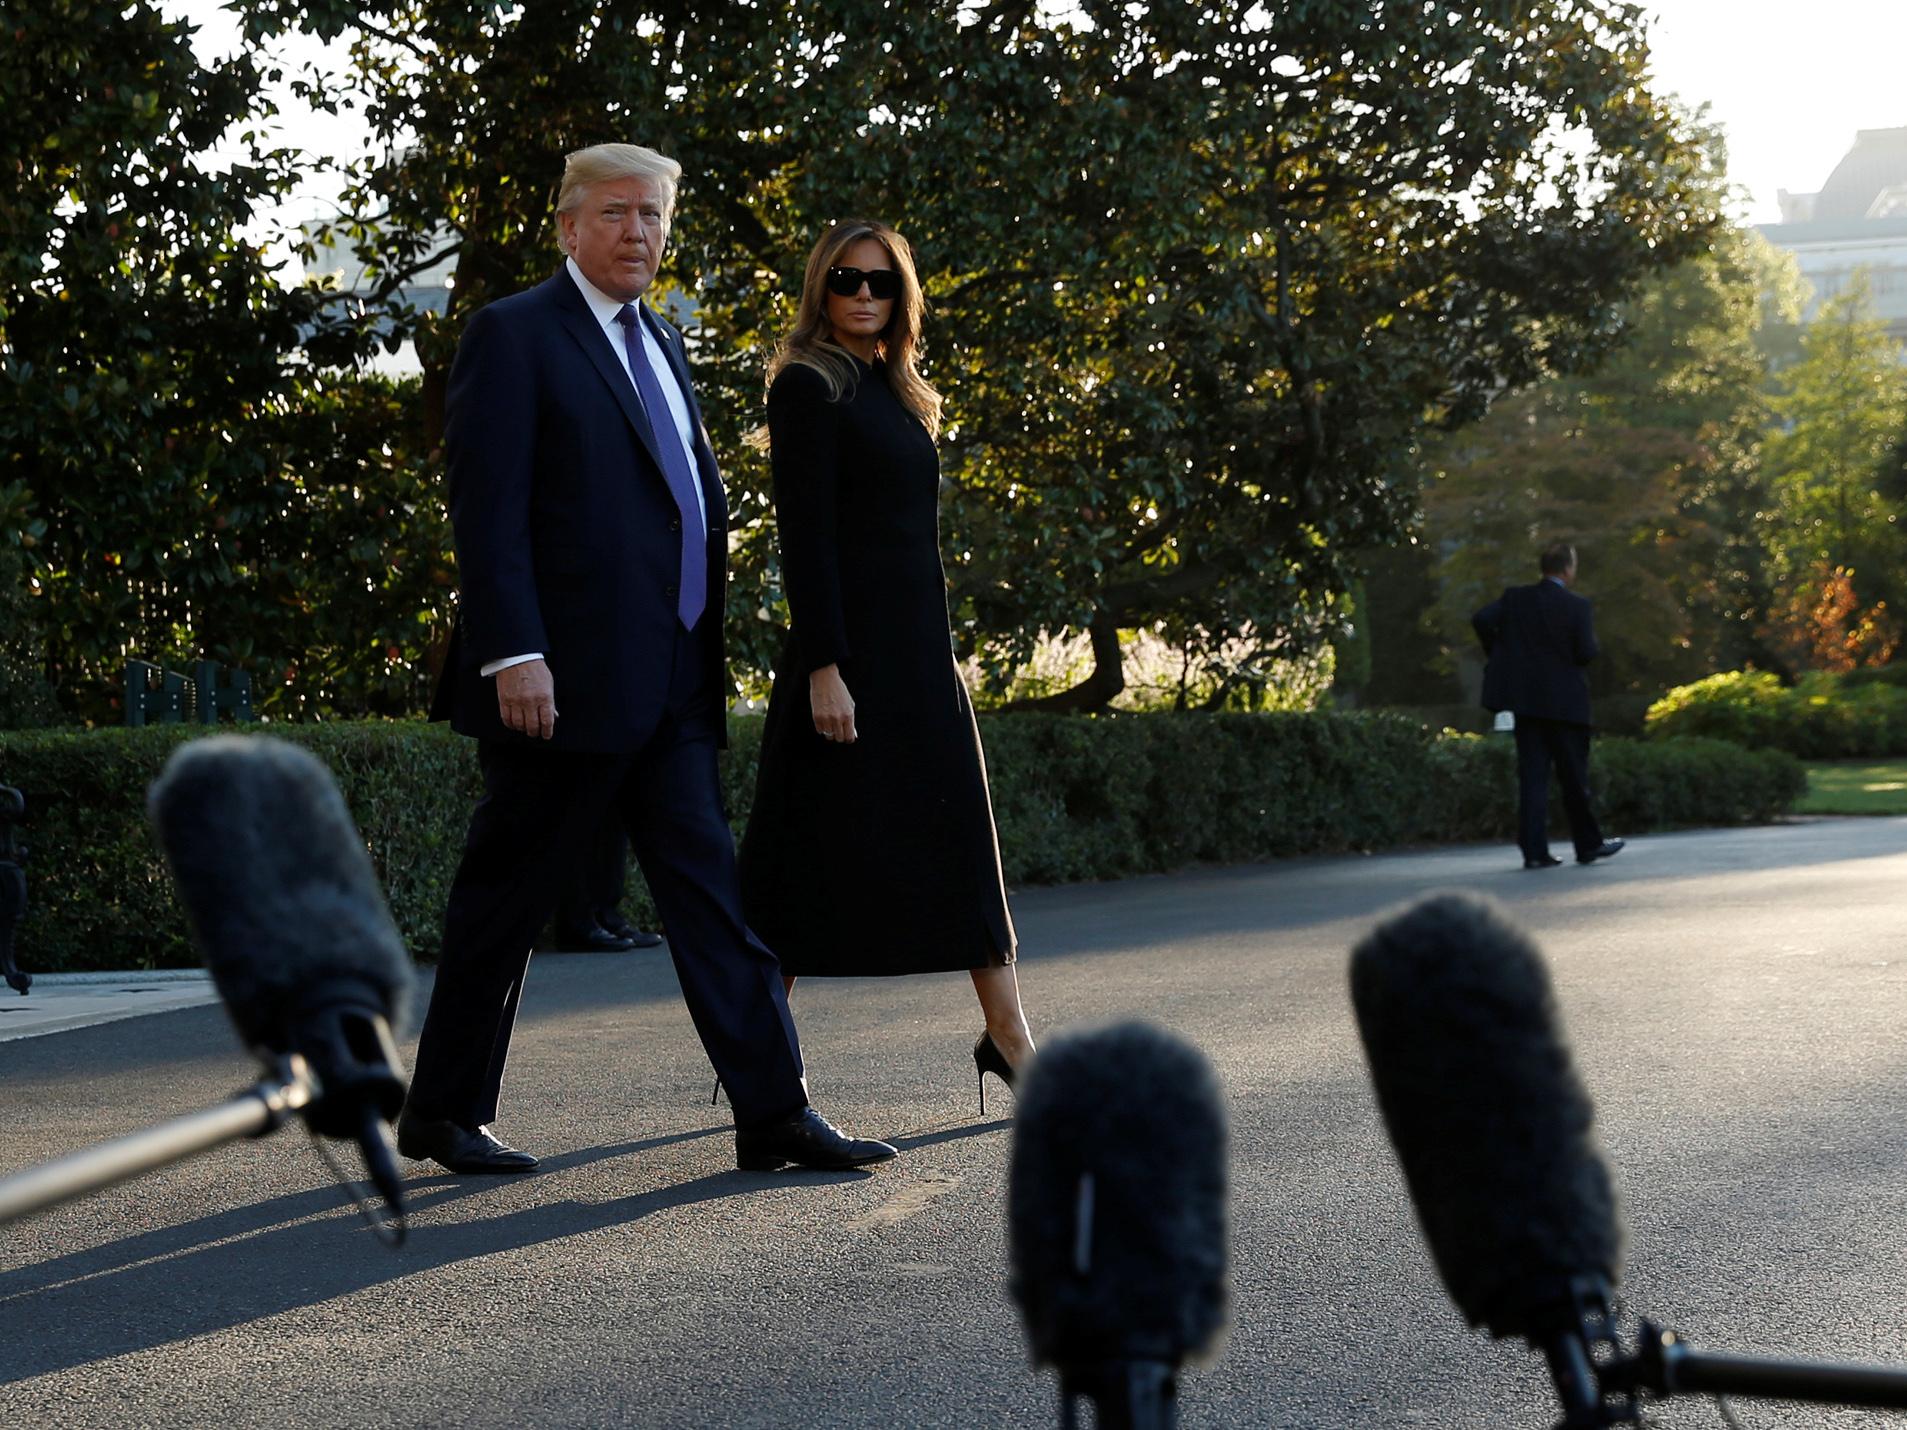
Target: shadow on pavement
<point>172,1284</point>
<point>933,1136</point>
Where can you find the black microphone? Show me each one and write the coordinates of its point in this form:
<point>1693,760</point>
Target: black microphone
<point>1495,1133</point>
<point>1491,1124</point>
<point>1496,1137</point>
<point>1116,1218</point>
<point>286,909</point>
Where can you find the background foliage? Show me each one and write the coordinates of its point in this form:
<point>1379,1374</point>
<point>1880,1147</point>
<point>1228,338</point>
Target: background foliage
<point>183,469</point>
<point>1647,463</point>
<point>1219,296</point>
<point>1193,269</point>
<point>1835,496</point>
<point>1215,292</point>
<point>1732,480</point>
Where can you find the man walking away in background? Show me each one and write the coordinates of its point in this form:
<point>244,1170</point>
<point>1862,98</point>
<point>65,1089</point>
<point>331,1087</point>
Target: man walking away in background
<point>1537,639</point>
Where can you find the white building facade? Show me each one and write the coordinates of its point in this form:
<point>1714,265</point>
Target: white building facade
<point>1857,223</point>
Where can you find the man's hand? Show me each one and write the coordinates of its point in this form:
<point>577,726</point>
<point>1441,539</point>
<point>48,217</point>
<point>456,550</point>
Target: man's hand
<point>832,706</point>
<point>526,698</point>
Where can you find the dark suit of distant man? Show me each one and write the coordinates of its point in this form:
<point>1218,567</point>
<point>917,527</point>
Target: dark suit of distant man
<point>1538,639</point>
<point>587,663</point>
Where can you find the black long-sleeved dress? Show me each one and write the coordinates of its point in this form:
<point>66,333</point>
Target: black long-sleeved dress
<point>877,857</point>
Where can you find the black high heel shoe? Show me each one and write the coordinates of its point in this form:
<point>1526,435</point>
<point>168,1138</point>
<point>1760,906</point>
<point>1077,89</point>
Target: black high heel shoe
<point>987,1058</point>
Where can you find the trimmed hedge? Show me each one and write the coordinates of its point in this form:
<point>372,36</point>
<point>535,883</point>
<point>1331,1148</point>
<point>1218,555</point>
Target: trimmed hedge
<point>1820,717</point>
<point>98,895</point>
<point>1075,799</point>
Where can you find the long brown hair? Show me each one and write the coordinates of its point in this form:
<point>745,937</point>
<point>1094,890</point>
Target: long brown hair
<point>811,341</point>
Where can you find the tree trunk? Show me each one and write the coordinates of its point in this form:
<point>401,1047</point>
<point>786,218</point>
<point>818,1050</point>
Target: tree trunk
<point>1097,690</point>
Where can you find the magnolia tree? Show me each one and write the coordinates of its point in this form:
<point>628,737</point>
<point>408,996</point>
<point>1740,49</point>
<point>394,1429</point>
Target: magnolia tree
<point>1199,276</point>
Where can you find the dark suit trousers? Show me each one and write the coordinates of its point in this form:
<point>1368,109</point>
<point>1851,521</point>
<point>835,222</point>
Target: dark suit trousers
<point>541,812</point>
<point>1541,744</point>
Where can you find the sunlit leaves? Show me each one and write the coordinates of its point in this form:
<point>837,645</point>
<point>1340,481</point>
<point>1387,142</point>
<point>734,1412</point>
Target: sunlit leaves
<point>1833,512</point>
<point>1200,275</point>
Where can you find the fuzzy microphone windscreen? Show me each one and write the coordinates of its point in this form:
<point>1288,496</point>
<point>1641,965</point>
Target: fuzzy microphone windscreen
<point>277,882</point>
<point>1491,1123</point>
<point>1117,1199</point>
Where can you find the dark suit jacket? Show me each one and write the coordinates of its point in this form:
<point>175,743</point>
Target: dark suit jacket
<point>568,540</point>
<point>1538,639</point>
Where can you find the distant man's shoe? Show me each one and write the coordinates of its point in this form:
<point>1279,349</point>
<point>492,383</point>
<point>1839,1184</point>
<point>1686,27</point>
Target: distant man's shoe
<point>425,1139</point>
<point>1605,850</point>
<point>1548,861</point>
<point>594,939</point>
<point>635,937</point>
<point>808,1140</point>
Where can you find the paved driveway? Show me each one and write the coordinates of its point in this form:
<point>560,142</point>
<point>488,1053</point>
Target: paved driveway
<point>1736,999</point>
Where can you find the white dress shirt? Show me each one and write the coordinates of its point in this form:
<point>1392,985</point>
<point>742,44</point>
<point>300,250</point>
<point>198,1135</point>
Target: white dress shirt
<point>604,308</point>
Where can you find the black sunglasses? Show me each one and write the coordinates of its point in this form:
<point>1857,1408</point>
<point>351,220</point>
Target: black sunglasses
<point>882,283</point>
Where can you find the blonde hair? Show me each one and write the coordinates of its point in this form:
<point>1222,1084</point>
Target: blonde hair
<point>811,341</point>
<point>605,163</point>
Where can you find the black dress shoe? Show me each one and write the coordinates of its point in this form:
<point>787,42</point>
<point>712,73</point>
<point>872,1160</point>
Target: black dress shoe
<point>808,1140</point>
<point>1548,861</point>
<point>623,929</point>
<point>458,1148</point>
<point>594,939</point>
<point>1603,850</point>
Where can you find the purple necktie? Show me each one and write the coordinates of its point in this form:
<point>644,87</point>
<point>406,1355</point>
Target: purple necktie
<point>693,592</point>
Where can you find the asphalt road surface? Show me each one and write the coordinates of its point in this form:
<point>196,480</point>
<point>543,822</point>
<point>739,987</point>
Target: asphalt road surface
<point>1736,1000</point>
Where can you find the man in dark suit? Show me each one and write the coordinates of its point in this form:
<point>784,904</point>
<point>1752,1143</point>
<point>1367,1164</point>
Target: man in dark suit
<point>1538,639</point>
<point>587,662</point>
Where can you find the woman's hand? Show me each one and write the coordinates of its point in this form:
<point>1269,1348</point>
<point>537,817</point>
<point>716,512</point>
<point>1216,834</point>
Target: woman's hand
<point>833,707</point>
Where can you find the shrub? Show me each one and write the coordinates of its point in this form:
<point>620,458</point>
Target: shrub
<point>1466,716</point>
<point>1679,783</point>
<point>1738,705</point>
<point>1821,717</point>
<point>1075,798</point>
<point>1894,673</point>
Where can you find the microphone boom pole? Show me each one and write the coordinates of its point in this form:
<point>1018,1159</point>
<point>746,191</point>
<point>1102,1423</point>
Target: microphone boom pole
<point>1665,1365</point>
<point>261,1108</point>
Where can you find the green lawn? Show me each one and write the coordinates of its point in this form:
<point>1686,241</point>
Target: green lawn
<point>1855,787</point>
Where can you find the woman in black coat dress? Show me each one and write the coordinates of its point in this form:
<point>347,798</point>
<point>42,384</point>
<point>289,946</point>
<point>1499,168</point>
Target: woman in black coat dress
<point>871,847</point>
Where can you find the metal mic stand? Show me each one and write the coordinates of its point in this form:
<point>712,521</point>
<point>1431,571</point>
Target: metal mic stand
<point>1126,1394</point>
<point>261,1108</point>
<point>1579,1355</point>
<point>12,886</point>
<point>1664,1365</point>
<point>1600,1383</point>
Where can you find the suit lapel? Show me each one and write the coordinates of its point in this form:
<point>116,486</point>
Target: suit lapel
<point>581,324</point>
